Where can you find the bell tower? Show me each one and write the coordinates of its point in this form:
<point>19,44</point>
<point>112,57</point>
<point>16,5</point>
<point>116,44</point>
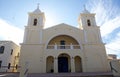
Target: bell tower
<point>34,28</point>
<point>87,23</point>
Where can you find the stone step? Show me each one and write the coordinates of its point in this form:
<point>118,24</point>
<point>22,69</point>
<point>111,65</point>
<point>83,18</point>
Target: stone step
<point>72,75</point>
<point>108,74</point>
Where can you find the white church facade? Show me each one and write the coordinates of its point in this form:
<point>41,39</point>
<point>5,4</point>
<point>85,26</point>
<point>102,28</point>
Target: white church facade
<point>63,48</point>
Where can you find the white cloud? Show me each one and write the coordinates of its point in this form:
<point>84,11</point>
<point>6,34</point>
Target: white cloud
<point>110,25</point>
<point>10,32</point>
<point>114,46</point>
<point>108,17</point>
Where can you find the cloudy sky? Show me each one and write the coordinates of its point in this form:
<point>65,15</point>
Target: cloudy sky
<point>14,16</point>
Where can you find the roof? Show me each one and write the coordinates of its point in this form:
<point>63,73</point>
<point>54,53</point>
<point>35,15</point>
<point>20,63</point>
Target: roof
<point>63,26</point>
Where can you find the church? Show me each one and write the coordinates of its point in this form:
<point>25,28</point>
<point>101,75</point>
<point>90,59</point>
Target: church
<point>63,48</point>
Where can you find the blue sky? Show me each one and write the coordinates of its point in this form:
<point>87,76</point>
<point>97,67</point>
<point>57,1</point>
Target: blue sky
<point>14,16</point>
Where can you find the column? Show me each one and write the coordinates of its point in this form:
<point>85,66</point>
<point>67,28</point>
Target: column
<point>55,46</point>
<point>72,64</point>
<point>71,46</point>
<point>55,65</point>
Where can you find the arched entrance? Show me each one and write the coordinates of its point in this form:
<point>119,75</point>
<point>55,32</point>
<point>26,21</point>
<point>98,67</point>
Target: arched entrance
<point>63,42</point>
<point>78,64</point>
<point>63,63</point>
<point>50,64</point>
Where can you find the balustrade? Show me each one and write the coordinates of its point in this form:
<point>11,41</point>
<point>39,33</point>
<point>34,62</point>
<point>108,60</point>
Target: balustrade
<point>63,47</point>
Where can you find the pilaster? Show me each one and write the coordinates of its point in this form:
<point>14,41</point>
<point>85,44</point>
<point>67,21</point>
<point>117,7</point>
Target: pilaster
<point>72,64</point>
<point>55,65</point>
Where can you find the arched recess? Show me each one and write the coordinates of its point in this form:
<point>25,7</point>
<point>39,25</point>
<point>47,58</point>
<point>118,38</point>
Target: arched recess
<point>78,64</point>
<point>50,64</point>
<point>35,22</point>
<point>64,63</point>
<point>64,40</point>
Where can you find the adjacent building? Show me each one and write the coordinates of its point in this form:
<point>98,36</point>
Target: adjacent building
<point>112,57</point>
<point>9,56</point>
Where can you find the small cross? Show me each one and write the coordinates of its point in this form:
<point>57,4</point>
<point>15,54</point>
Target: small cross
<point>38,5</point>
<point>84,7</point>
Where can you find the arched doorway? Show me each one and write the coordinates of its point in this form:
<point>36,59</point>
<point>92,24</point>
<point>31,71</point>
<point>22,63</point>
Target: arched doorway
<point>63,63</point>
<point>50,64</point>
<point>78,64</point>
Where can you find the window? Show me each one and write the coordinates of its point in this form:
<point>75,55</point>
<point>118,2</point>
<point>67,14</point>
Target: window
<point>9,64</point>
<point>88,22</point>
<point>0,64</point>
<point>18,54</point>
<point>35,22</point>
<point>62,43</point>
<point>11,51</point>
<point>2,49</point>
<point>16,66</point>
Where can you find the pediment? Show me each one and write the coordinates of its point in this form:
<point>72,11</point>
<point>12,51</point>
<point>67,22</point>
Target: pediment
<point>62,26</point>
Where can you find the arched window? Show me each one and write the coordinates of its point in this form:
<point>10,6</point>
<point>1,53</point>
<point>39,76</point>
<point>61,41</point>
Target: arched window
<point>35,22</point>
<point>62,43</point>
<point>0,64</point>
<point>16,66</point>
<point>88,22</point>
<point>9,64</point>
<point>11,51</point>
<point>2,49</point>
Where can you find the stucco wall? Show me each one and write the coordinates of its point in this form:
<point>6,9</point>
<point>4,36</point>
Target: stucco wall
<point>92,54</point>
<point>7,57</point>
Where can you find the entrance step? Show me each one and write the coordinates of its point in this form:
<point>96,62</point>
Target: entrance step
<point>100,74</point>
<point>9,74</point>
<point>72,75</point>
